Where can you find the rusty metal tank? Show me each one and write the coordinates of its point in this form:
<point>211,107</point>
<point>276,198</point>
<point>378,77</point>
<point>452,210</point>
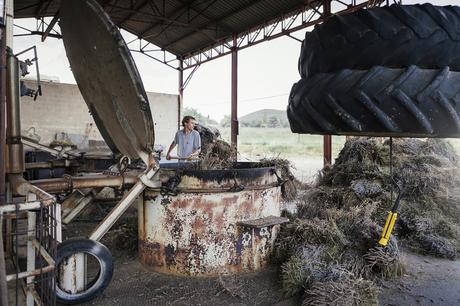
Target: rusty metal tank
<point>210,222</point>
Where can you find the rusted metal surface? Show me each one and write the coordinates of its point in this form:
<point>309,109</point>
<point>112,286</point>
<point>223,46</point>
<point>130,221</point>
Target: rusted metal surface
<point>107,78</point>
<point>22,187</point>
<point>92,181</point>
<point>197,233</point>
<point>244,174</point>
<point>15,149</point>
<point>72,274</point>
<point>263,222</point>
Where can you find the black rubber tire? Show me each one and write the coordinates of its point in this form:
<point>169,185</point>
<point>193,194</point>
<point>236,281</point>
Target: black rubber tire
<point>395,36</point>
<point>382,101</point>
<point>103,278</point>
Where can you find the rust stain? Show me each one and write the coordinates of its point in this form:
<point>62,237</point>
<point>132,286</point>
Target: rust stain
<point>150,254</point>
<point>169,255</point>
<point>197,235</point>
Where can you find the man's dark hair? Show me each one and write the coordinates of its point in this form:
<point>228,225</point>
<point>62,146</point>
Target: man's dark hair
<point>186,119</point>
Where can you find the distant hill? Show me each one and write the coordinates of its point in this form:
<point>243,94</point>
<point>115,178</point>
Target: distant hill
<point>265,118</point>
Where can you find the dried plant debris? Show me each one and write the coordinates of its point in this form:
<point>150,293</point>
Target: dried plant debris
<point>283,169</point>
<point>347,290</point>
<point>329,251</point>
<point>217,154</point>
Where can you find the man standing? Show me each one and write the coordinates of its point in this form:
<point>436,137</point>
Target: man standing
<point>188,140</point>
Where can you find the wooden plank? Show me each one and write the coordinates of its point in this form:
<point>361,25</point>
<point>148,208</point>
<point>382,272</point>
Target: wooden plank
<point>263,222</point>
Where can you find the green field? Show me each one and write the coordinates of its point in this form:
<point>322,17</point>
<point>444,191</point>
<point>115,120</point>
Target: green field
<point>271,142</point>
<point>304,151</point>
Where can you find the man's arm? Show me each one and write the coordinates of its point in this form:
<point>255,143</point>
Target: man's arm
<point>171,147</point>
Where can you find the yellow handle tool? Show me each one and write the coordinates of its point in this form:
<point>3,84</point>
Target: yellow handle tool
<point>388,228</point>
<point>391,220</point>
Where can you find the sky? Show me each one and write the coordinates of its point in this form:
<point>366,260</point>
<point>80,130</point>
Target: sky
<point>266,72</point>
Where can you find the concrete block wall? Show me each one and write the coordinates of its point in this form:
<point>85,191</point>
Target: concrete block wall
<point>61,109</point>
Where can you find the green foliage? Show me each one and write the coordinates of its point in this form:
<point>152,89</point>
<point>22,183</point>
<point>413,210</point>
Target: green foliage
<point>225,122</point>
<point>202,119</point>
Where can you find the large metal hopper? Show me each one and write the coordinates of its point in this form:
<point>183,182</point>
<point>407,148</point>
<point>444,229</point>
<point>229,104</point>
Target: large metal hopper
<point>107,78</point>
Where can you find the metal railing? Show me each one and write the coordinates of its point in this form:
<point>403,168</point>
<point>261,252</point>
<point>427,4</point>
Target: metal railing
<point>31,231</point>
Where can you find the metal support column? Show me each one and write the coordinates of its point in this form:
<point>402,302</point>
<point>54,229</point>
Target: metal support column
<point>2,115</point>
<point>8,27</point>
<point>327,139</point>
<point>327,149</point>
<point>181,92</point>
<point>234,113</point>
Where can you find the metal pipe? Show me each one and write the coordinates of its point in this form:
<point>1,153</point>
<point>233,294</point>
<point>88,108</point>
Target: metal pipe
<point>25,274</point>
<point>13,94</point>
<point>234,114</point>
<point>9,9</point>
<point>15,151</point>
<point>22,187</point>
<point>13,208</point>
<point>44,148</point>
<point>93,181</point>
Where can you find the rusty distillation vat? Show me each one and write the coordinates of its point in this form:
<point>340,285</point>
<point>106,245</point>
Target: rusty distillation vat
<point>210,222</point>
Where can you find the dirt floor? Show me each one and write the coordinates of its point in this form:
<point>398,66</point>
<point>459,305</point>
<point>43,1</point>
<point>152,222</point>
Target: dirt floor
<point>132,283</point>
<point>428,281</point>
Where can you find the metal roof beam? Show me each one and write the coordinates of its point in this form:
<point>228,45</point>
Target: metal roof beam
<point>178,11</point>
<point>203,55</point>
<point>50,27</point>
<point>224,26</point>
<point>191,26</point>
<point>215,20</point>
<point>140,7</point>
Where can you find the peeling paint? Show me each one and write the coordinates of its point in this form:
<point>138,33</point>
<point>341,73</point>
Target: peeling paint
<point>196,233</point>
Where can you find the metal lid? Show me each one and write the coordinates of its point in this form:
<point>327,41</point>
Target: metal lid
<point>107,78</point>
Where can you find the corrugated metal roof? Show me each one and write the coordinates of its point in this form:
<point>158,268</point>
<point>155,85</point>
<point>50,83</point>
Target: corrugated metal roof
<point>178,26</point>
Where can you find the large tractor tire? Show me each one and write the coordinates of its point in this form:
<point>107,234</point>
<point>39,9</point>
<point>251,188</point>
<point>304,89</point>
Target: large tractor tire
<point>396,36</point>
<point>411,102</point>
<point>96,286</point>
